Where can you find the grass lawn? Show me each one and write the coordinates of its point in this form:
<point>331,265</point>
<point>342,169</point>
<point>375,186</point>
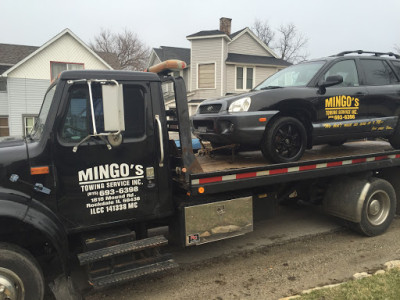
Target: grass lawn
<point>385,286</point>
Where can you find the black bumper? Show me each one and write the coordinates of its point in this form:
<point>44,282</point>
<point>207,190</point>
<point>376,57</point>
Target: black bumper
<point>245,128</point>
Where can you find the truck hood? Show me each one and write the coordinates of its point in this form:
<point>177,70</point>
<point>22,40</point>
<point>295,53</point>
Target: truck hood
<point>11,142</point>
<point>13,159</point>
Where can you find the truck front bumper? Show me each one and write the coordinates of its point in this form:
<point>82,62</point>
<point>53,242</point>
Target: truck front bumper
<point>246,128</point>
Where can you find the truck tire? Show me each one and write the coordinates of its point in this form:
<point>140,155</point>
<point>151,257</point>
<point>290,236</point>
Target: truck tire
<point>378,209</point>
<point>392,176</point>
<point>285,140</point>
<point>20,274</point>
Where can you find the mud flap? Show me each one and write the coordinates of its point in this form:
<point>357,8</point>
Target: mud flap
<point>64,289</point>
<point>215,221</point>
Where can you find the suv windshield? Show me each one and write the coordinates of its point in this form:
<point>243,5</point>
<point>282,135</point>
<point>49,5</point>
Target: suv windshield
<point>297,75</point>
<point>41,119</point>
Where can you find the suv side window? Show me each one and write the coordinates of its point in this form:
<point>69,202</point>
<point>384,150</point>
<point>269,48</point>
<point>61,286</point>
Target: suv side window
<point>347,69</point>
<point>396,65</point>
<point>377,72</point>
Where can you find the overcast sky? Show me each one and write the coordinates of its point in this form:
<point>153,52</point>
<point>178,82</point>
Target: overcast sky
<point>331,26</point>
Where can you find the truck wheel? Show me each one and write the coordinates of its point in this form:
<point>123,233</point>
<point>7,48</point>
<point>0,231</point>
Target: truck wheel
<point>378,209</point>
<point>285,140</point>
<point>20,275</point>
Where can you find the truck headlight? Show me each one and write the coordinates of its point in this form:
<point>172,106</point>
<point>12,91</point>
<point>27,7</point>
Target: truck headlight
<point>242,104</point>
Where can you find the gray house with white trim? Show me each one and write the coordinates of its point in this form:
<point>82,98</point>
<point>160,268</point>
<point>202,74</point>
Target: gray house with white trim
<point>220,62</point>
<point>27,71</point>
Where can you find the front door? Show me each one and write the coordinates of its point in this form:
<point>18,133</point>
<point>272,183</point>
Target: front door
<point>97,185</point>
<point>342,110</point>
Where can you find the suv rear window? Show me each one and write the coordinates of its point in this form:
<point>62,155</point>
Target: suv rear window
<point>377,72</point>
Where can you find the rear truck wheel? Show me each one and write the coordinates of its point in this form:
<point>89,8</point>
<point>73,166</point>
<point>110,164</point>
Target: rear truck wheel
<point>20,275</point>
<point>378,209</point>
<point>392,176</point>
<point>366,204</point>
<point>285,140</point>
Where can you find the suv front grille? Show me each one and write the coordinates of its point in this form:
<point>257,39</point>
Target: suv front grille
<point>210,109</point>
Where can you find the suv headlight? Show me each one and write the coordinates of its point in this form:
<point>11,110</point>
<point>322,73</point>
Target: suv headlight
<point>242,104</point>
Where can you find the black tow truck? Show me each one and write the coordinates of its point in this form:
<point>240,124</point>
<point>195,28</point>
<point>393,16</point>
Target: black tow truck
<point>99,171</point>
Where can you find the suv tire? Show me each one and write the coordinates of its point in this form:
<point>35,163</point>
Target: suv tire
<point>284,140</point>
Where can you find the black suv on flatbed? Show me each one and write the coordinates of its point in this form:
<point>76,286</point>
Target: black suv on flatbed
<point>322,101</point>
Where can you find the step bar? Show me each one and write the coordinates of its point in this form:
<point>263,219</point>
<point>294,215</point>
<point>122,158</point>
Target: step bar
<point>108,252</point>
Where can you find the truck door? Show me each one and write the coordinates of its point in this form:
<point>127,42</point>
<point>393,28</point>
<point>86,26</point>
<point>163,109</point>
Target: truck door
<point>96,185</point>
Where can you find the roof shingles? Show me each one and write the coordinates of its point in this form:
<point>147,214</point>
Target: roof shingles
<point>165,53</point>
<point>13,54</point>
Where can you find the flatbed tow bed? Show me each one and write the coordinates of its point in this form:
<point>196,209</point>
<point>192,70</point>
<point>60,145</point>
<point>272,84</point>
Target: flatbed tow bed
<point>250,169</point>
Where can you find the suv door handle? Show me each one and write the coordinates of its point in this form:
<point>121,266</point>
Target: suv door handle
<point>160,136</point>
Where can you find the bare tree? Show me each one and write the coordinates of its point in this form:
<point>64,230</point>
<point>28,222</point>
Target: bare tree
<point>131,52</point>
<point>291,43</point>
<point>263,31</point>
<point>287,41</point>
<point>397,49</point>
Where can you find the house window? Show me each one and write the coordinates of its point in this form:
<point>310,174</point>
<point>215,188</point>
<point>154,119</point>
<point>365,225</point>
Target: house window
<point>3,84</point>
<point>244,78</point>
<point>4,129</point>
<point>58,67</point>
<point>206,78</point>
<point>29,121</point>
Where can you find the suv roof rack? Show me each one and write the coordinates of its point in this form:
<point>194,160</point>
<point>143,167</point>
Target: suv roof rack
<point>368,52</point>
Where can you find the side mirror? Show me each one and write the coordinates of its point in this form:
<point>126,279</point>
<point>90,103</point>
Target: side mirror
<point>330,81</point>
<point>113,107</point>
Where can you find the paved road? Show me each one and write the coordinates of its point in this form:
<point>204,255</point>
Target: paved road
<point>298,249</point>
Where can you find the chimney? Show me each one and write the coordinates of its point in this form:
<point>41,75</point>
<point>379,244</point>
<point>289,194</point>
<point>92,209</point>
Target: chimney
<point>225,25</point>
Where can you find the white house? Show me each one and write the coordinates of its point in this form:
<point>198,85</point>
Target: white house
<point>27,71</point>
<point>220,62</point>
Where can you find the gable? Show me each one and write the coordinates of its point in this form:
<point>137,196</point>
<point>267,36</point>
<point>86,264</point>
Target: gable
<point>247,44</point>
<point>65,49</point>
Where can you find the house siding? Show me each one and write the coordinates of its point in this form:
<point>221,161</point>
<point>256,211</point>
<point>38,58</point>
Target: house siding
<point>246,44</point>
<point>263,73</point>
<point>206,51</point>
<point>25,96</point>
<point>3,104</point>
<point>65,49</point>
<point>260,74</point>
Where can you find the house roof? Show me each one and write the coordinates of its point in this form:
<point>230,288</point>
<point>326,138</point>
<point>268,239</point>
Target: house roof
<point>233,35</point>
<point>257,60</point>
<point>206,33</point>
<point>13,55</point>
<point>165,53</point>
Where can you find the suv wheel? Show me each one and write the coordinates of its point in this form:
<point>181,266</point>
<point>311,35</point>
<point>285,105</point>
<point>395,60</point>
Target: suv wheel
<point>285,140</point>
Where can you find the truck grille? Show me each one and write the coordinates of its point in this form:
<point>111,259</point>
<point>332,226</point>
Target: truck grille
<point>210,109</point>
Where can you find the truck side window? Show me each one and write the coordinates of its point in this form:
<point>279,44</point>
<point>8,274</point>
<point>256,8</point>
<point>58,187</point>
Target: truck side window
<point>134,109</point>
<point>76,126</point>
<point>347,69</point>
<point>78,123</point>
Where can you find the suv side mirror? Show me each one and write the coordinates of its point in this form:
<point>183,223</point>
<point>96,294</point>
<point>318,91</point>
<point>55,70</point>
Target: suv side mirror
<point>330,81</point>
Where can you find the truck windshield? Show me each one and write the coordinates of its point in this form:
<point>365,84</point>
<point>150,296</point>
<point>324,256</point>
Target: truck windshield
<point>297,75</point>
<point>44,111</point>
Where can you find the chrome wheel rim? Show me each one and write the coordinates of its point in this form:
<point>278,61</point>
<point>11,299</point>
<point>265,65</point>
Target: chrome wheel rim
<point>378,207</point>
<point>11,285</point>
